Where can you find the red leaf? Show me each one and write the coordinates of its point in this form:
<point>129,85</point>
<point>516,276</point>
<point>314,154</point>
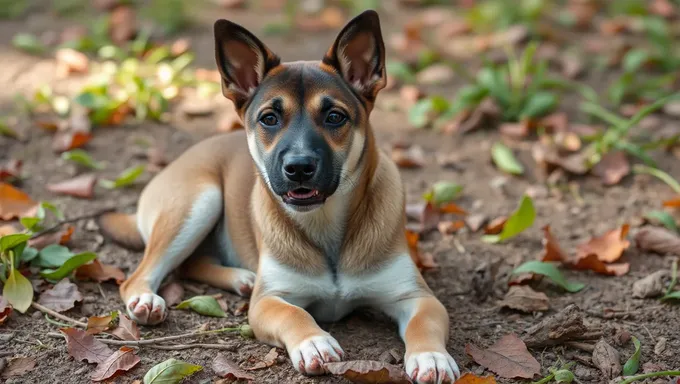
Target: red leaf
<point>5,310</point>
<point>100,272</point>
<point>10,170</point>
<point>120,361</point>
<point>470,378</point>
<point>366,371</point>
<point>268,360</point>
<point>413,157</point>
<point>127,329</point>
<point>552,250</point>
<point>82,346</point>
<point>98,324</point>
<point>18,366</point>
<point>65,141</point>
<point>608,247</point>
<point>227,369</point>
<point>80,186</point>
<point>508,358</point>
<point>14,203</point>
<point>61,297</point>
<point>62,237</point>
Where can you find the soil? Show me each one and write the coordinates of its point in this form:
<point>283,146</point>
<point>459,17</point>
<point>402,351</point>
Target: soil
<point>363,335</point>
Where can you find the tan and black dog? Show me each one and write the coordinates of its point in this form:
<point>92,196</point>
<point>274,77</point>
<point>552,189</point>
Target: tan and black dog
<point>301,208</point>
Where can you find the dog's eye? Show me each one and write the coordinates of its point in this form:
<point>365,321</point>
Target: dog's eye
<point>335,119</point>
<point>269,120</point>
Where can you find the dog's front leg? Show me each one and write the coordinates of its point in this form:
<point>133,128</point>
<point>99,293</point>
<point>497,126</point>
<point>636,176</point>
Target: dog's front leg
<point>289,326</point>
<point>424,327</point>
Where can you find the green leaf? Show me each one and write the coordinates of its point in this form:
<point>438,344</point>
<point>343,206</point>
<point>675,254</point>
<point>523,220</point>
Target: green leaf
<point>539,104</point>
<point>171,371</point>
<point>28,254</point>
<point>421,114</point>
<point>28,43</point>
<point>664,218</point>
<point>505,160</point>
<point>549,270</point>
<point>30,223</point>
<point>52,208</point>
<point>124,179</point>
<point>83,158</point>
<point>564,376</point>
<point>634,60</point>
<point>10,241</point>
<point>52,256</point>
<point>205,305</point>
<point>659,174</point>
<point>401,71</point>
<point>69,266</point>
<point>675,295</point>
<point>5,130</point>
<point>520,220</point>
<point>18,291</point>
<point>443,192</point>
<point>91,100</point>
<point>633,364</point>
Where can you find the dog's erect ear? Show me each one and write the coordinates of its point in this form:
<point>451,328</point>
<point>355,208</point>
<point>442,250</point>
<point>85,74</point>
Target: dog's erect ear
<point>242,59</point>
<point>358,54</point>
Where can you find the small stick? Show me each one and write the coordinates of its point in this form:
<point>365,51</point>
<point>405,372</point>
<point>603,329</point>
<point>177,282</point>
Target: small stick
<point>59,316</point>
<point>158,339</point>
<point>591,335</point>
<point>582,346</point>
<point>178,347</point>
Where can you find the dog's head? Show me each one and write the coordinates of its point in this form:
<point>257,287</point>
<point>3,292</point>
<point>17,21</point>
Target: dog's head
<point>306,122</point>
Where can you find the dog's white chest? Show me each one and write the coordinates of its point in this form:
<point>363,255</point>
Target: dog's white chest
<point>328,297</point>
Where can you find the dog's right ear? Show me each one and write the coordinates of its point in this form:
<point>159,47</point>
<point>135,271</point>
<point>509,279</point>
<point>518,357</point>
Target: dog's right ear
<point>242,59</point>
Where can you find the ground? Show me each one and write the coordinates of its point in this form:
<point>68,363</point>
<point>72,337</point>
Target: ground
<point>364,335</point>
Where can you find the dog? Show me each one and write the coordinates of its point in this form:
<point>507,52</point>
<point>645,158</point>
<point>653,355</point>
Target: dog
<point>300,210</point>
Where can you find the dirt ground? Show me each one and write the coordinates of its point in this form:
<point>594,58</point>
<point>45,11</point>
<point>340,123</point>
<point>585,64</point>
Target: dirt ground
<point>363,335</point>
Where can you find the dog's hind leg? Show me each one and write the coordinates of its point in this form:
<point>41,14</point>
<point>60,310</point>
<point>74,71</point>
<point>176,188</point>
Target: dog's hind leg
<point>173,224</point>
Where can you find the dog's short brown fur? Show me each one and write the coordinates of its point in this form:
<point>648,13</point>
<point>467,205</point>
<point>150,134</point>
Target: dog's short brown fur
<point>303,197</point>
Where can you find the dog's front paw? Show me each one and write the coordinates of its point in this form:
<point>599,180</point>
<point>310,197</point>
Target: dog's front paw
<point>147,308</point>
<point>432,367</point>
<point>244,283</point>
<point>310,355</point>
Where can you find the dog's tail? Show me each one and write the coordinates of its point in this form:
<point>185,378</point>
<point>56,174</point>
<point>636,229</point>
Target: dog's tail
<point>122,229</point>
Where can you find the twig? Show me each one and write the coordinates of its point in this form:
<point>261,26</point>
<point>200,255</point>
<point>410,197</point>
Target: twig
<point>54,322</point>
<point>59,316</point>
<point>582,346</point>
<point>158,339</point>
<point>591,335</point>
<point>73,220</point>
<point>648,375</point>
<point>178,347</point>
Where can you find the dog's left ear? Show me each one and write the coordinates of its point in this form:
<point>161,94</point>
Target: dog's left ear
<point>242,60</point>
<point>358,54</point>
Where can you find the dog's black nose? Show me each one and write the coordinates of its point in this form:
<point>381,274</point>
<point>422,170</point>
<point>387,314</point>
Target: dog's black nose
<point>299,168</point>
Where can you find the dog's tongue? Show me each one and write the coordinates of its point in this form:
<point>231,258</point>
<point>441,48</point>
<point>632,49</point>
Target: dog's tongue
<point>302,194</point>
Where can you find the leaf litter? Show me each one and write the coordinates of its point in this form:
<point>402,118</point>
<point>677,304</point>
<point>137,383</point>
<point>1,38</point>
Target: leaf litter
<point>508,358</point>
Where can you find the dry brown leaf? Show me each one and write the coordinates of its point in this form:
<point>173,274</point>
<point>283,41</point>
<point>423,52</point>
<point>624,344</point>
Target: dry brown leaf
<point>61,297</point>
<point>613,167</point>
<point>424,214</point>
<point>98,324</point>
<point>592,262</point>
<point>471,378</point>
<point>122,24</point>
<point>413,157</point>
<point>14,203</point>
<point>555,122</point>
<point>495,226</point>
<point>525,299</point>
<point>476,221</point>
<point>468,121</point>
<point>127,329</point>
<point>366,371</point>
<point>71,61</point>
<point>269,359</point>
<point>450,227</point>
<point>652,285</point>
<point>10,170</point>
<point>5,310</point>
<point>452,208</point>
<point>66,141</point>
<point>18,366</point>
<point>79,186</point>
<point>228,369</point>
<point>658,240</point>
<point>120,361</point>
<point>608,247</point>
<point>508,358</point>
<point>100,272</point>
<point>672,203</point>
<point>62,236</point>
<point>172,293</point>
<point>516,130</point>
<point>607,359</point>
<point>423,260</point>
<point>552,250</point>
<point>82,346</point>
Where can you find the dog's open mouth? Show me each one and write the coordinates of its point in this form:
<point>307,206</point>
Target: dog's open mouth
<point>304,197</point>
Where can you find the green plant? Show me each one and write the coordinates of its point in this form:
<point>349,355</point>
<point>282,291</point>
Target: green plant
<point>501,14</point>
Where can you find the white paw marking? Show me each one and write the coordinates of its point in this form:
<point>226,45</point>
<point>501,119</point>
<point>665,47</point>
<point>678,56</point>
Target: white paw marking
<point>244,283</point>
<point>147,308</point>
<point>308,357</point>
<point>431,368</point>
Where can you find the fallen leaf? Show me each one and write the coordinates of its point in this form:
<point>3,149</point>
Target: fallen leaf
<point>226,368</point>
<point>657,240</point>
<point>662,217</point>
<point>518,221</point>
<point>61,297</point>
<point>550,271</point>
<point>422,260</point>
<point>18,366</point>
<point>426,215</point>
<point>652,285</point>
<point>607,359</point>
<point>632,365</point>
<point>204,305</point>
<point>608,247</point>
<point>62,236</point>
<point>366,371</point>
<point>509,358</point>
<point>660,346</point>
<point>413,157</point>
<point>5,310</point>
<point>505,160</point>
<point>100,272</point>
<point>10,170</point>
<point>171,371</point>
<point>525,299</point>
<point>122,24</point>
<point>476,221</point>
<point>269,359</point>
<point>99,324</point>
<point>69,266</point>
<point>450,227</point>
<point>515,130</point>
<point>71,61</point>
<point>471,378</point>
<point>443,192</point>
<point>172,293</point>
<point>613,167</point>
<point>126,178</point>
<point>82,346</point>
<point>120,361</point>
<point>18,291</point>
<point>496,225</point>
<point>593,263</point>
<point>14,203</point>
<point>127,329</point>
<point>79,186</point>
<point>66,141</point>
<point>452,208</point>
<point>551,249</point>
